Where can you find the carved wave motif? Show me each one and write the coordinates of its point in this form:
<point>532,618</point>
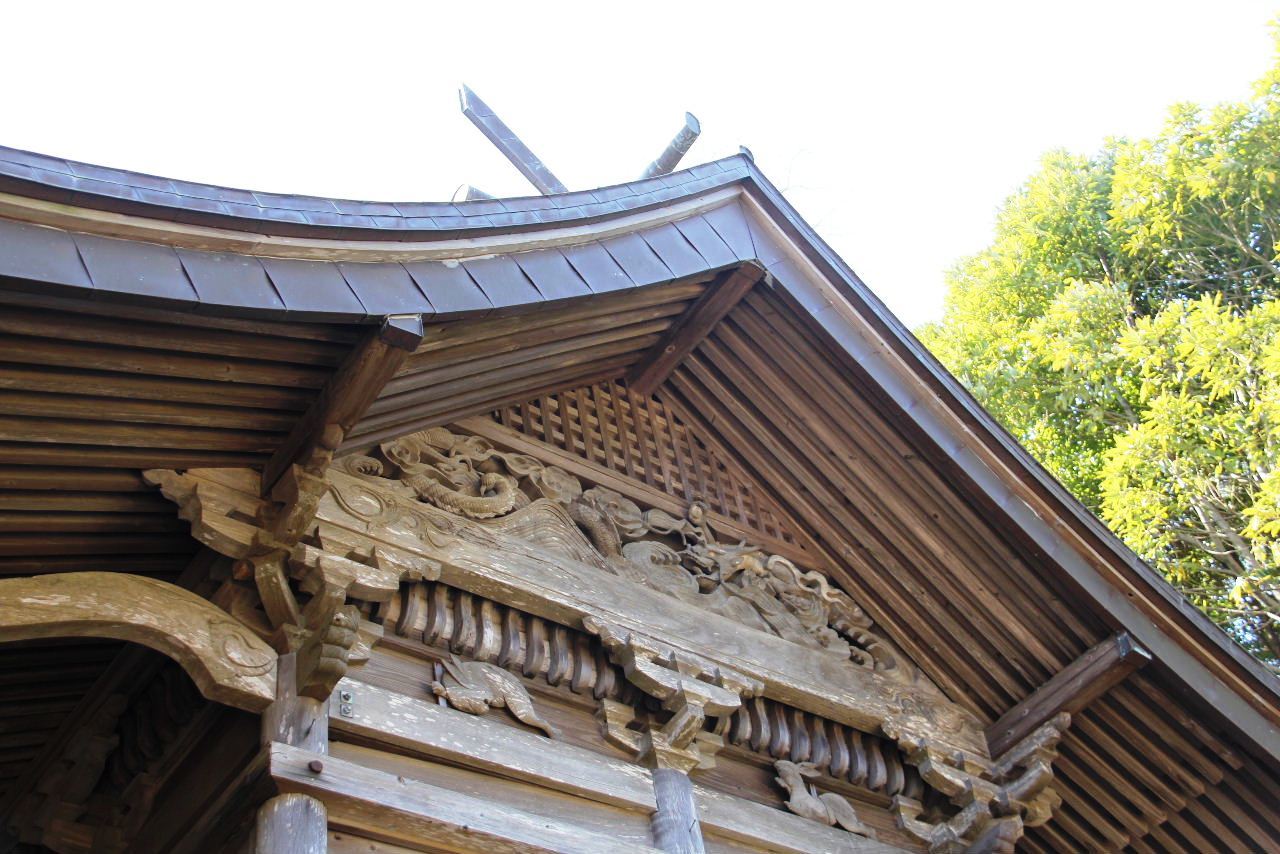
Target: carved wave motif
<point>546,526</point>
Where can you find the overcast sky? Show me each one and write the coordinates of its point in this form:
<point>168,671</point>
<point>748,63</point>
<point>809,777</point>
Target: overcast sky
<point>896,128</point>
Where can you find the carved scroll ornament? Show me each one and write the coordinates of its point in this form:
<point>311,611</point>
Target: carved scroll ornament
<point>302,590</point>
<point>476,686</point>
<point>803,800</point>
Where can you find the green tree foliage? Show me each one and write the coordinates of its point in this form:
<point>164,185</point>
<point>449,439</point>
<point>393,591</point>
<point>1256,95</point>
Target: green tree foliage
<point>1125,326</point>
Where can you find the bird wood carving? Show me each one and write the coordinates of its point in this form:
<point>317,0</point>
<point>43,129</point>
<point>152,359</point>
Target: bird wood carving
<point>828,808</point>
<point>477,686</point>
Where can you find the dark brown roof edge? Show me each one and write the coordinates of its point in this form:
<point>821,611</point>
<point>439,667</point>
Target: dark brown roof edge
<point>40,176</point>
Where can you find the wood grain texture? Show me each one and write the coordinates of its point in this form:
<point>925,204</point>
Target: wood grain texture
<point>768,528</point>
<point>291,823</point>
<point>410,812</point>
<point>346,395</point>
<point>694,325</point>
<point>422,728</point>
<point>226,660</point>
<point>675,822</point>
<point>1071,689</point>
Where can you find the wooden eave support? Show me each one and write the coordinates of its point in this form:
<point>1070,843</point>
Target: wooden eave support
<point>1070,690</point>
<point>691,327</point>
<point>344,398</point>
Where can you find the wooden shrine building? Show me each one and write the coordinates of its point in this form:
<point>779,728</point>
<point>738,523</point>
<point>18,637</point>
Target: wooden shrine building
<point>610,521</point>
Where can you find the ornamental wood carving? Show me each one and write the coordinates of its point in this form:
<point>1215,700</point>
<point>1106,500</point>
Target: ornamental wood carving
<point>996,802</point>
<point>507,528</point>
<point>476,686</point>
<point>302,590</point>
<point>227,661</point>
<point>803,800</point>
<point>466,476</point>
<point>689,687</point>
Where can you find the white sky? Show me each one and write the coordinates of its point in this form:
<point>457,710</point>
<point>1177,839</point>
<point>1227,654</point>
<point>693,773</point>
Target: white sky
<point>896,129</point>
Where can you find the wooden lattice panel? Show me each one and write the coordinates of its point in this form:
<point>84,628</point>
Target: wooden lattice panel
<point>609,425</point>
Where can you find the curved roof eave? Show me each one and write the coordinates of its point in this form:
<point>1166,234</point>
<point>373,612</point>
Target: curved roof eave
<point>67,182</point>
<point>304,258</point>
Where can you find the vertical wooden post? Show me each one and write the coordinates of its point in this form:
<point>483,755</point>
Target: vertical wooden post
<point>675,822</point>
<point>293,823</point>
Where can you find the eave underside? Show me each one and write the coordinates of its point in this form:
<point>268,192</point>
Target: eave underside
<point>86,401</point>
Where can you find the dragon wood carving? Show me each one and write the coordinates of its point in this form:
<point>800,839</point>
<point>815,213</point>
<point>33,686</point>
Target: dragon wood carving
<point>468,477</point>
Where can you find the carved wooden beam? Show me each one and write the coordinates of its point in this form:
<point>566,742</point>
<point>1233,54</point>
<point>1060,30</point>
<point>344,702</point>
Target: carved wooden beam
<point>353,387</point>
<point>1073,688</point>
<point>227,661</point>
<point>691,327</point>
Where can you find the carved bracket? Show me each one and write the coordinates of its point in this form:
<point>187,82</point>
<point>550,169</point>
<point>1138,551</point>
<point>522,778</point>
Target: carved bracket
<point>996,803</point>
<point>688,686</point>
<point>228,663</point>
<point>303,590</point>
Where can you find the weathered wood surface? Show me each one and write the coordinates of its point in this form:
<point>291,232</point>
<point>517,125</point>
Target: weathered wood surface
<point>442,733</point>
<point>291,823</point>
<point>293,719</point>
<point>675,821</point>
<point>347,394</point>
<point>688,331</point>
<point>422,728</point>
<point>566,591</point>
<point>409,812</point>
<point>763,525</point>
<point>552,585</point>
<point>1070,690</point>
<point>227,661</point>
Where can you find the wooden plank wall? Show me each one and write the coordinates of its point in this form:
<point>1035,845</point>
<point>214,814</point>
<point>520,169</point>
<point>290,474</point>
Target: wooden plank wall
<point>567,672</point>
<point>639,437</point>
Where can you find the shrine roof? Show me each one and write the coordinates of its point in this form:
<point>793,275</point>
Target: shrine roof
<point>54,179</point>
<point>75,230</point>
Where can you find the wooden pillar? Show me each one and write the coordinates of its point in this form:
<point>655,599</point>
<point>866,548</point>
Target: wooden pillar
<point>675,822</point>
<point>293,823</point>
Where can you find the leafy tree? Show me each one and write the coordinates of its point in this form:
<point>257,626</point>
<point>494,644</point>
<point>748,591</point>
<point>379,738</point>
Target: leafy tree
<point>1125,325</point>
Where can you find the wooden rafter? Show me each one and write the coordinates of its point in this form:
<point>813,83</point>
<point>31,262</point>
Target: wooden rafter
<point>1073,688</point>
<point>348,393</point>
<point>694,325</point>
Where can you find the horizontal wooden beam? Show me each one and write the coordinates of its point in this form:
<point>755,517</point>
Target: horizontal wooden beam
<point>227,661</point>
<point>426,729</point>
<point>399,810</point>
<point>1070,690</point>
<point>344,398</point>
<point>691,327</point>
